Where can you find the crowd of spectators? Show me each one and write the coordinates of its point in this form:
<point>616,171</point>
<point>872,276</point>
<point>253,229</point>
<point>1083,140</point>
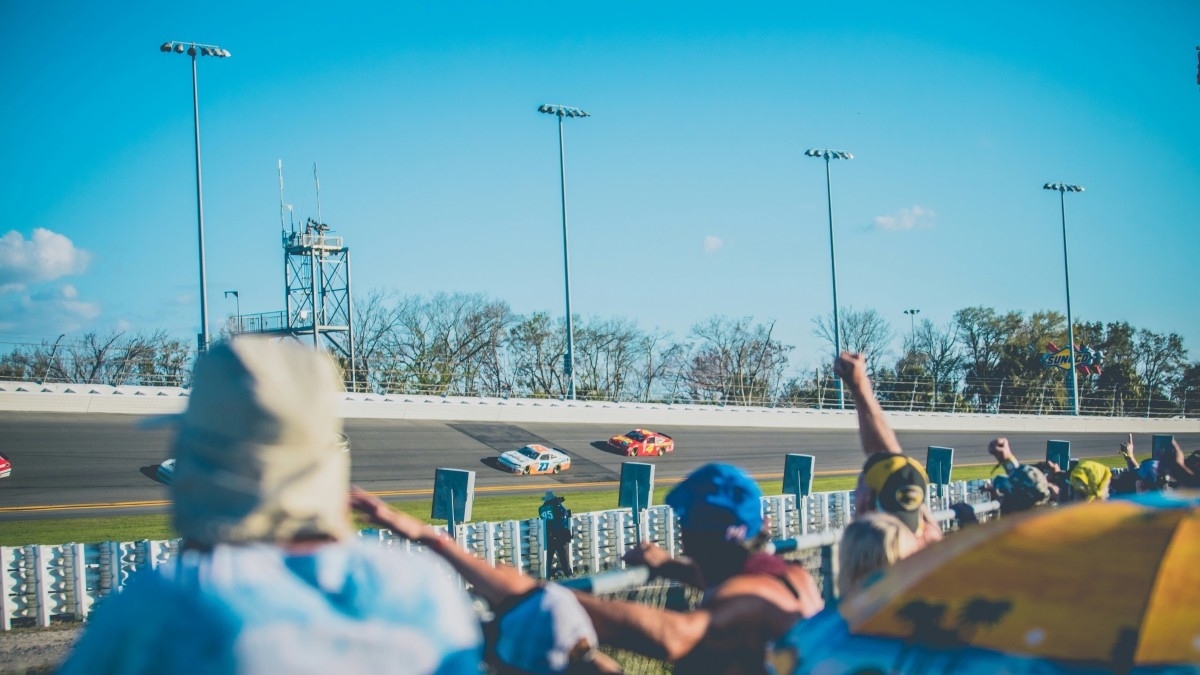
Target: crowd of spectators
<point>271,580</point>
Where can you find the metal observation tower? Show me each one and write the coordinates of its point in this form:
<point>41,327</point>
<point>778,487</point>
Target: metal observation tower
<point>316,281</point>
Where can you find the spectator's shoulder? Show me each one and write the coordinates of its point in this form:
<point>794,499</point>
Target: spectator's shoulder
<point>792,588</point>
<point>129,629</point>
<point>762,603</point>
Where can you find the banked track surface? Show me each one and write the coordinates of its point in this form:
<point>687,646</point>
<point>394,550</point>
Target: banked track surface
<point>68,465</point>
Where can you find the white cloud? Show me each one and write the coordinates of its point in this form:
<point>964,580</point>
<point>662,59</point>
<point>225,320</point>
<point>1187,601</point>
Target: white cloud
<point>906,219</point>
<point>712,244</point>
<point>46,256</point>
<point>48,310</point>
<point>27,301</point>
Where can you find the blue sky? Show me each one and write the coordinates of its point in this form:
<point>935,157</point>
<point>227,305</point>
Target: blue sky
<point>688,190</point>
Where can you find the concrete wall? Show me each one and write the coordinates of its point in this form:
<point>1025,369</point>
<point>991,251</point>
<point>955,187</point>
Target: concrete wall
<point>62,398</point>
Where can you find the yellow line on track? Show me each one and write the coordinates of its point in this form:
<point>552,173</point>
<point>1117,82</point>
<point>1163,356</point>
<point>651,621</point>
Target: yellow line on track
<point>71,507</point>
<point>423,492</point>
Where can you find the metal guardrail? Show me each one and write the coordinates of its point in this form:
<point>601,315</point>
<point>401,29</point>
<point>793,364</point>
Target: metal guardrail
<point>40,584</point>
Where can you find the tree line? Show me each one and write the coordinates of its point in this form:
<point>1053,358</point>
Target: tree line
<point>459,344</point>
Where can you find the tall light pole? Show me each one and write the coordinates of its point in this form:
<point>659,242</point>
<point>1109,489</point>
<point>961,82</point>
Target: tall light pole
<point>50,361</point>
<point>193,49</point>
<point>562,111</point>
<point>1063,189</point>
<point>912,324</point>
<point>237,299</point>
<point>827,154</point>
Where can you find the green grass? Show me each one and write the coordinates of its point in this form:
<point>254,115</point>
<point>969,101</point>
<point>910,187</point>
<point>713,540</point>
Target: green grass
<point>494,508</point>
<point>85,530</point>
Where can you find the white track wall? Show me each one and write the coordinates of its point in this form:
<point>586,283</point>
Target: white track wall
<point>64,398</point>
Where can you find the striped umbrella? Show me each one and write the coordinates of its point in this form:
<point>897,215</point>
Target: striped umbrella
<point>1096,587</point>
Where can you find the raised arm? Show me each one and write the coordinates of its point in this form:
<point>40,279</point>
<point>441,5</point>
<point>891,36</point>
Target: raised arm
<point>1172,458</point>
<point>740,616</point>
<point>495,584</point>
<point>657,633</point>
<point>1000,449</point>
<point>873,430</point>
<point>662,565</point>
<point>504,587</point>
<point>1127,452</point>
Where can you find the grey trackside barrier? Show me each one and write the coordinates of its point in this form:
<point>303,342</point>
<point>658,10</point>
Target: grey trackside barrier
<point>44,583</point>
<point>40,583</point>
<point>145,400</point>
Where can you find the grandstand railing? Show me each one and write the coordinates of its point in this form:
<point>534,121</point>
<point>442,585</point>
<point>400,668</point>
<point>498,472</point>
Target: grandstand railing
<point>41,584</point>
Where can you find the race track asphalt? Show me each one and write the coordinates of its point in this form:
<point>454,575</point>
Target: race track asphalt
<point>67,465</point>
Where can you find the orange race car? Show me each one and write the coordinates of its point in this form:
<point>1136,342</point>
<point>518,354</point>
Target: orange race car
<point>642,442</point>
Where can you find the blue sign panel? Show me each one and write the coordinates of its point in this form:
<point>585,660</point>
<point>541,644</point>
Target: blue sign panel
<point>798,475</point>
<point>1160,443</point>
<point>453,495</point>
<point>938,464</point>
<point>637,486</point>
<point>1059,452</point>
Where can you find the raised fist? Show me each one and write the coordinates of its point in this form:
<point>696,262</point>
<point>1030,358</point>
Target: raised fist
<point>999,449</point>
<point>852,368</point>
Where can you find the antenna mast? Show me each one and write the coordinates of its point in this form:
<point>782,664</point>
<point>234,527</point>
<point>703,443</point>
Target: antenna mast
<point>318,181</point>
<point>282,206</point>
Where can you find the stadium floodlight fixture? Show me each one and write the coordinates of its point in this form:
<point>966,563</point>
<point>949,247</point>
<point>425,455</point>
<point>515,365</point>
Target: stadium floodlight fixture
<point>912,323</point>
<point>1062,189</point>
<point>561,112</point>
<point>193,49</point>
<point>827,154</point>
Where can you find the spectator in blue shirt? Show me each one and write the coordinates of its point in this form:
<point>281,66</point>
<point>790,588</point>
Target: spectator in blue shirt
<point>270,578</point>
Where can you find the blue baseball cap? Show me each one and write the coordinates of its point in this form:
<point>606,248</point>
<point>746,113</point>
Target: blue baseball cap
<point>719,498</point>
<point>1149,471</point>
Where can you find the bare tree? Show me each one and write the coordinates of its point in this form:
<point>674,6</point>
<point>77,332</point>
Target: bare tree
<point>444,342</point>
<point>376,325</point>
<point>734,361</point>
<point>448,343</point>
<point>470,328</point>
<point>537,346</point>
<point>607,353</point>
<point>22,362</point>
<point>127,361</point>
<point>864,332</point>
<point>171,364</point>
<point>662,364</point>
<point>89,356</point>
<point>939,351</point>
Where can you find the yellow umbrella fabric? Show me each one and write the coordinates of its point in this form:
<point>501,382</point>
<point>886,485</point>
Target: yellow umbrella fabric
<point>1102,584</point>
